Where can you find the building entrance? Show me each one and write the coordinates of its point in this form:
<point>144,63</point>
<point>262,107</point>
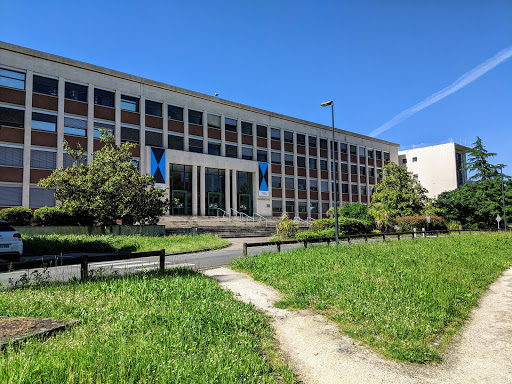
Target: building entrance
<point>245,204</point>
<point>214,202</point>
<point>179,203</point>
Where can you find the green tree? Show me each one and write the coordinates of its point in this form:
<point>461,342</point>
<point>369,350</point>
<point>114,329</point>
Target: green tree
<point>108,189</point>
<point>478,162</point>
<point>398,194</point>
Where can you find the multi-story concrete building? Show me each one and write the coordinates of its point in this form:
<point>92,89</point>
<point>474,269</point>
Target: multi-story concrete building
<point>437,167</point>
<point>210,153</point>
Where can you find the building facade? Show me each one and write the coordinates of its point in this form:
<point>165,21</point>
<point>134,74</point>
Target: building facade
<point>437,167</point>
<point>209,152</point>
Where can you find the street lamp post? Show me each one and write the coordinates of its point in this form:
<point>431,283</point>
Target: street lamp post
<point>501,166</point>
<point>331,103</point>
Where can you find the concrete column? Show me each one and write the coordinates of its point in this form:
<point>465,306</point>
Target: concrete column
<point>25,199</point>
<point>308,190</point>
<point>254,146</point>
<point>367,178</point>
<point>223,135</point>
<point>195,191</point>
<point>234,196</point>
<point>358,177</point>
<point>60,124</point>
<point>295,174</point>
<point>349,162</point>
<point>185,128</point>
<point>239,138</point>
<point>90,123</point>
<point>142,134</point>
<point>202,194</point>
<point>255,190</point>
<point>227,190</point>
<point>165,130</point>
<point>205,132</point>
<point>338,175</point>
<point>117,127</point>
<point>283,176</point>
<point>329,162</point>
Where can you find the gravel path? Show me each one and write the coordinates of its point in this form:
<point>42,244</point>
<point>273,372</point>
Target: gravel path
<point>319,353</point>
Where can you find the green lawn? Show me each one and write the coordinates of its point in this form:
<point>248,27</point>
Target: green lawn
<point>55,244</point>
<point>176,326</point>
<point>404,299</point>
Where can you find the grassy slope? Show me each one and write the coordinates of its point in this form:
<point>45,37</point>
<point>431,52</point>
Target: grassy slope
<point>54,244</point>
<point>404,299</point>
<point>162,327</point>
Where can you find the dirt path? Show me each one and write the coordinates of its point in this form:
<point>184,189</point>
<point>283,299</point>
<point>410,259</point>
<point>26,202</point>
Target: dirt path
<point>318,353</point>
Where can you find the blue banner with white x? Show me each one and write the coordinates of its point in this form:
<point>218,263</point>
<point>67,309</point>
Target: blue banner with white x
<point>158,165</point>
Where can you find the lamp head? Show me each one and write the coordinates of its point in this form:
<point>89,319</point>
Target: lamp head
<point>327,103</point>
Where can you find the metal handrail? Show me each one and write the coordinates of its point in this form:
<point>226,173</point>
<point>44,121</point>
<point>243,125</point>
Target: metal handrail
<point>261,217</point>
<point>242,215</point>
<point>224,213</point>
<point>299,220</point>
<point>234,210</point>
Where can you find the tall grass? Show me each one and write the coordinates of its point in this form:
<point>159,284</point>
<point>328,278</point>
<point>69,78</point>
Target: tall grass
<point>55,244</point>
<point>405,299</point>
<point>175,326</point>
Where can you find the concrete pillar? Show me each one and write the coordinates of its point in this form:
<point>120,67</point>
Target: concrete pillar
<point>338,176</point>
<point>308,190</point>
<point>239,138</point>
<point>283,176</point>
<point>254,146</point>
<point>255,190</point>
<point>349,175</point>
<point>185,128</point>
<point>202,194</point>
<point>295,174</point>
<point>223,135</point>
<point>165,130</point>
<point>329,173</point>
<point>367,178</point>
<point>60,125</point>
<point>358,176</point>
<point>117,126</point>
<point>205,132</point>
<point>227,190</point>
<point>142,133</point>
<point>25,199</point>
<point>195,190</point>
<point>234,185</point>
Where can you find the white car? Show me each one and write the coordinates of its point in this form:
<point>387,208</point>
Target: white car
<point>10,242</point>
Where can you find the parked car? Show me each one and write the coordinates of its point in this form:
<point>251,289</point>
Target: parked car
<point>11,244</point>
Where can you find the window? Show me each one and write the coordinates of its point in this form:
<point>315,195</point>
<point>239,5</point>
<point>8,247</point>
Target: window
<point>324,185</point>
<point>312,163</point>
<point>371,171</point>
<point>276,181</point>
<point>415,177</point>
<point>325,207</point>
<point>334,166</point>
<point>40,197</point>
<point>176,142</point>
<point>301,161</point>
<point>44,122</point>
<point>323,144</point>
<point>290,206</point>
<point>313,185</point>
<point>104,98</point>
<point>130,134</point>
<point>213,148</point>
<point>303,206</point>
<point>312,141</point>
<point>246,128</point>
<point>363,191</point>
<point>379,173</point>
<point>370,153</point>
<point>362,169</point>
<point>232,151</point>
<point>175,113</point>
<point>288,159</point>
<point>288,137</point>
<point>353,150</point>
<point>11,195</point>
<point>43,159</point>
<point>362,151</point>
<point>213,121</point>
<point>98,126</point>
<point>153,108</point>
<point>378,155</point>
<point>386,157</point>
<point>353,169</point>
<point>12,117</point>
<point>74,126</point>
<point>247,153</point>
<point>289,183</point>
<point>261,156</point>
<point>343,148</point>
<point>275,133</point>
<point>301,184</point>
<point>68,161</point>
<point>230,124</point>
<point>12,79</point>
<point>195,145</point>
<point>313,207</point>
<point>11,156</point>
<point>261,131</point>
<point>154,138</point>
<point>335,143</point>
<point>75,92</point>
<point>323,165</point>
<point>195,117</point>
<point>45,85</point>
<point>130,103</point>
<point>344,168</point>
<point>414,159</point>
<point>275,157</point>
<point>277,206</point>
<point>354,189</point>
<point>301,139</point>
<point>344,188</point>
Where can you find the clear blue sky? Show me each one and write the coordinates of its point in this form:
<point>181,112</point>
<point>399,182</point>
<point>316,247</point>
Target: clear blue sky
<point>374,58</point>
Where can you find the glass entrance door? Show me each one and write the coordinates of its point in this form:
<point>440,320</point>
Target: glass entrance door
<point>214,202</point>
<point>245,204</point>
<point>179,203</point>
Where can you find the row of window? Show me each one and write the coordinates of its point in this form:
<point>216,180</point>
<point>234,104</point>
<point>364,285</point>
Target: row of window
<point>277,206</point>
<point>39,197</point>
<point>289,183</point>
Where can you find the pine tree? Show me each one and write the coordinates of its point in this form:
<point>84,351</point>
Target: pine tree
<point>478,162</point>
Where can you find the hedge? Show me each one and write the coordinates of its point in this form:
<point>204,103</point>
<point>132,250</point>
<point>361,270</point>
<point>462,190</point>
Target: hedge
<point>16,215</point>
<point>346,225</point>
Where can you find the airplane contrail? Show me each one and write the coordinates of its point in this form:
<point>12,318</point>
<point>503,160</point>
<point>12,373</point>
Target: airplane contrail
<point>461,82</point>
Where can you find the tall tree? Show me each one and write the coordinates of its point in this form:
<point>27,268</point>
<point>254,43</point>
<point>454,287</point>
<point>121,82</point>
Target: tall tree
<point>109,188</point>
<point>478,162</point>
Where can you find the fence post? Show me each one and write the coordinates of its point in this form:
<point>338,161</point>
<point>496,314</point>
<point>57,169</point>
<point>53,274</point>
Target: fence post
<point>437,233</point>
<point>348,239</point>
<point>398,235</point>
<point>328,241</point>
<point>305,243</point>
<point>162,259</point>
<point>244,252</point>
<point>423,230</point>
<point>278,247</point>
<point>383,237</point>
<point>84,265</point>
<point>365,238</point>
<point>460,227</point>
<point>414,233</point>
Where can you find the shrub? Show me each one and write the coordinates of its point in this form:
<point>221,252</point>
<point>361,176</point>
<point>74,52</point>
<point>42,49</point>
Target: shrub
<point>328,232</point>
<point>453,225</point>
<point>54,216</point>
<point>286,228</point>
<point>346,225</point>
<point>16,215</point>
<point>407,223</point>
<point>351,210</point>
